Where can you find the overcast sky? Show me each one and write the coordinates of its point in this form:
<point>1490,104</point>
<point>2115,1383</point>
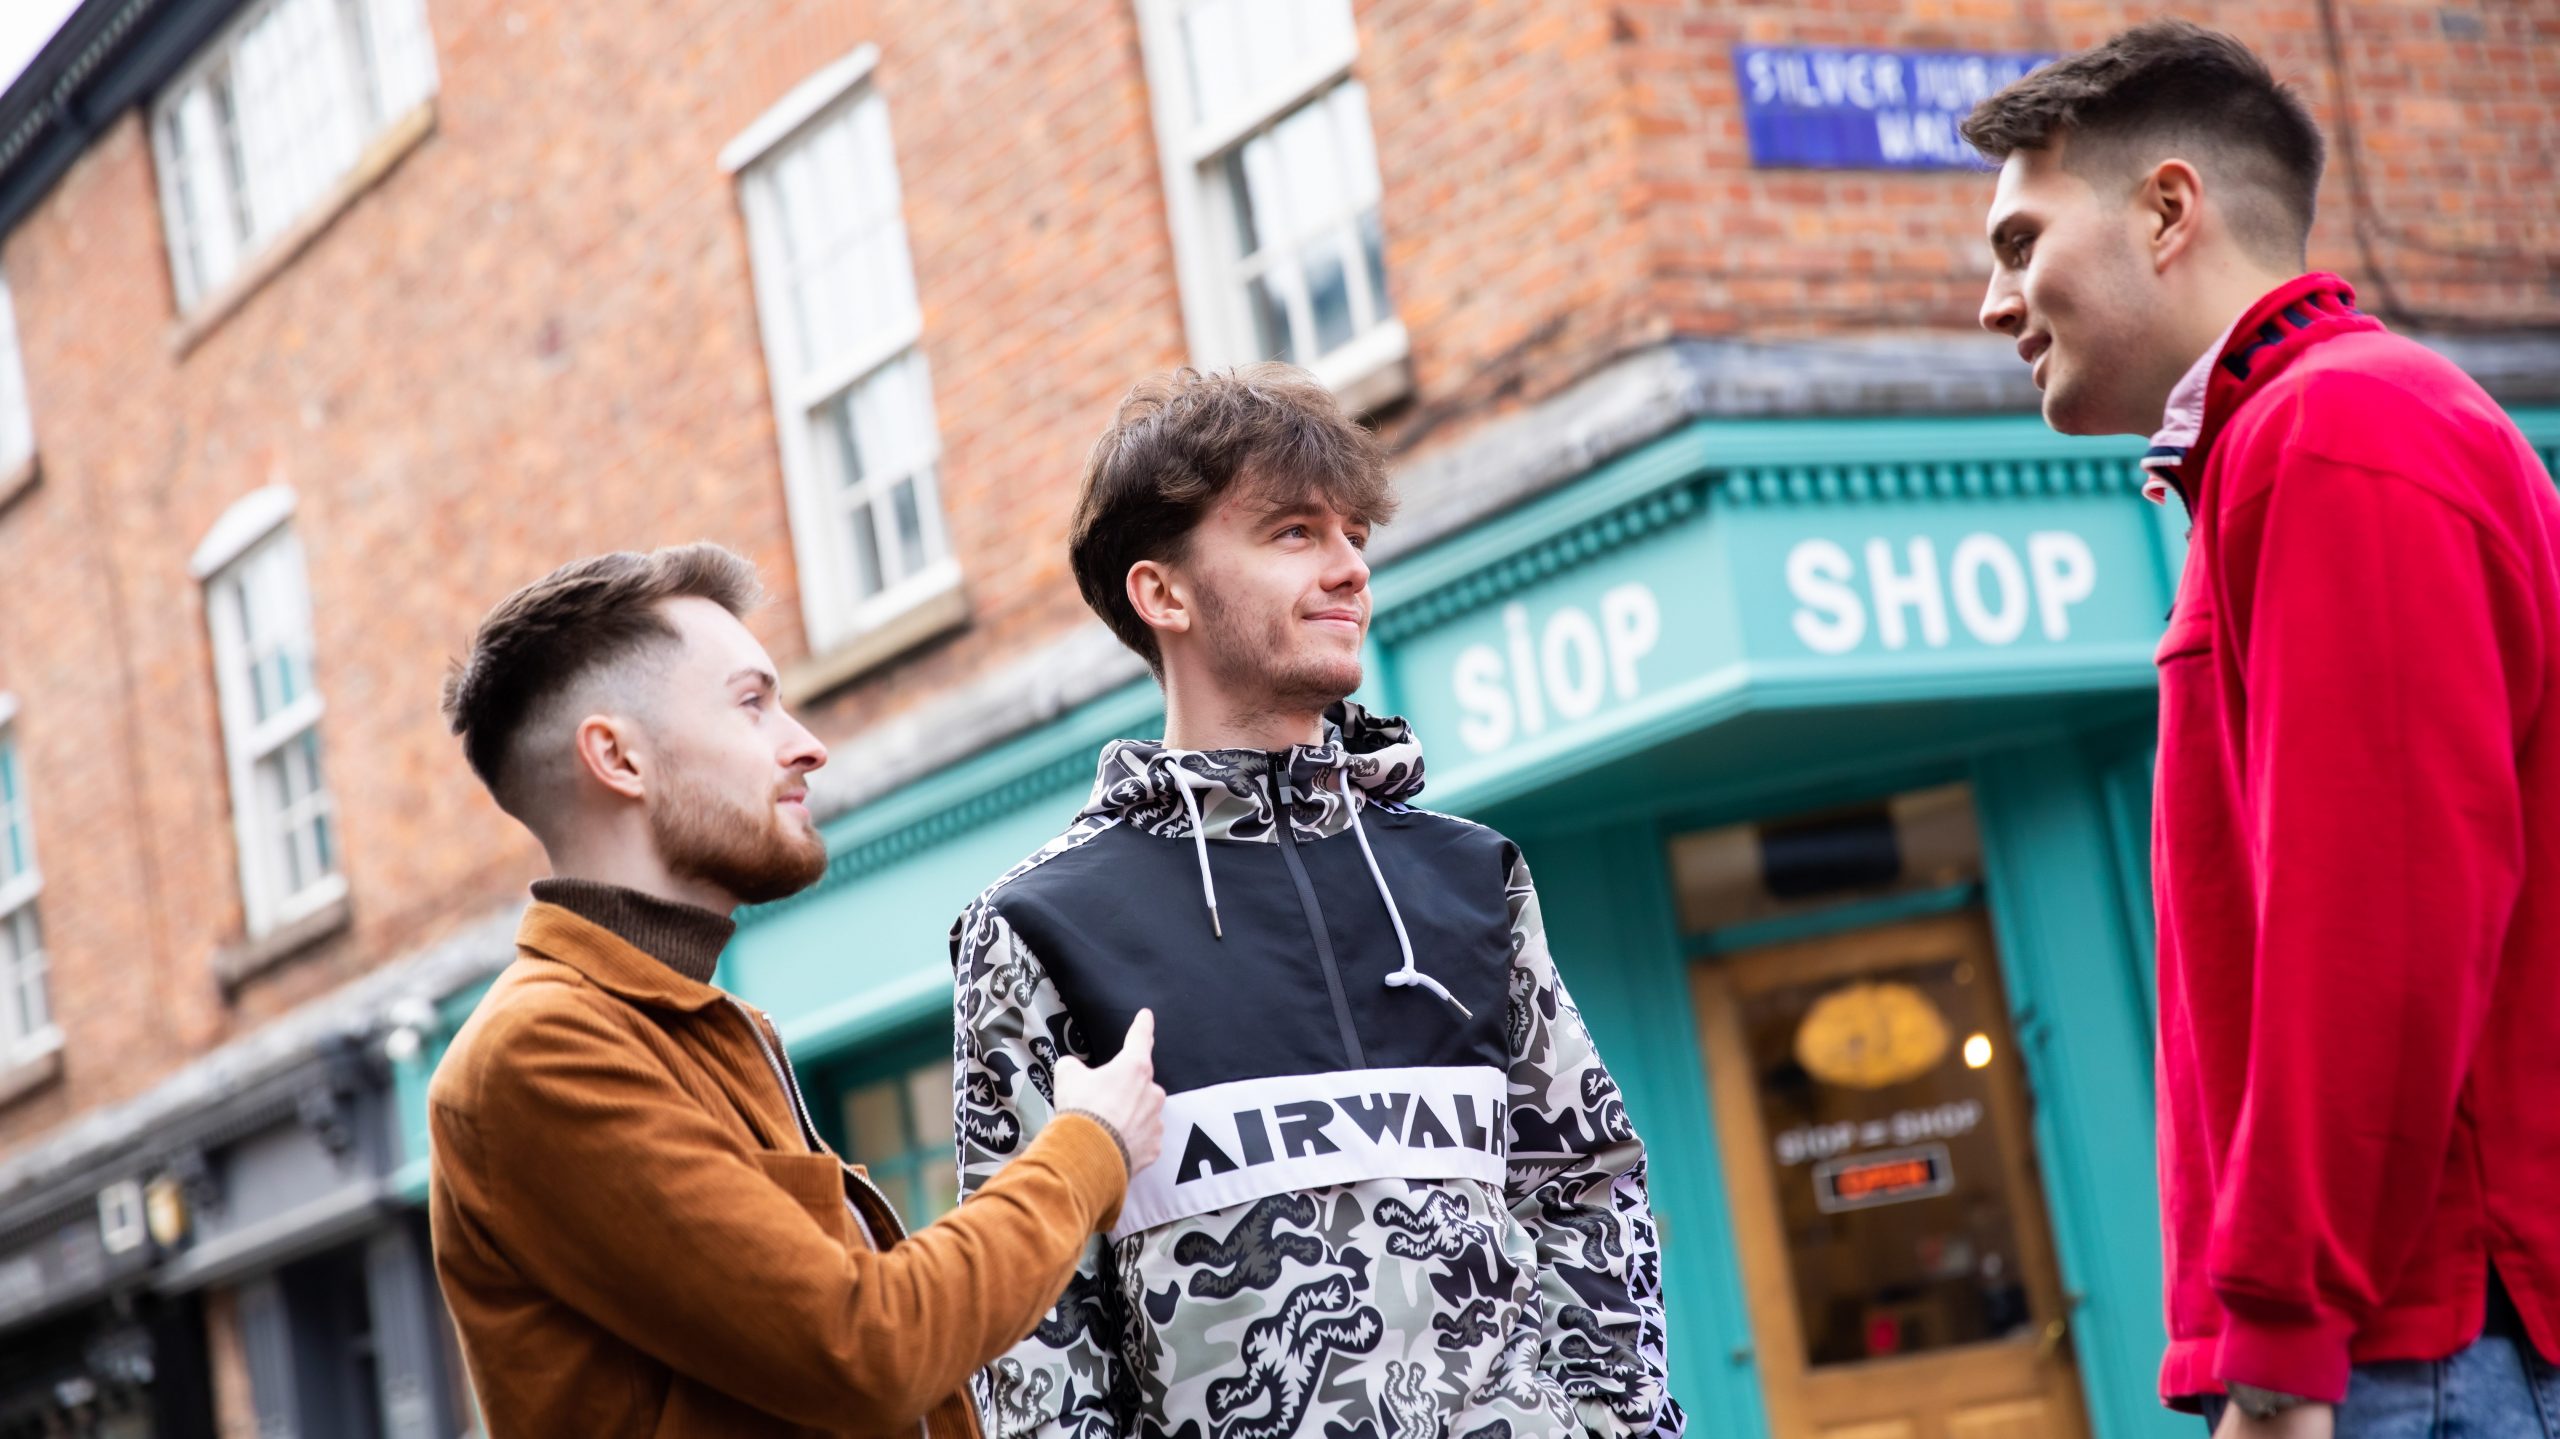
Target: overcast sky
<point>24,27</point>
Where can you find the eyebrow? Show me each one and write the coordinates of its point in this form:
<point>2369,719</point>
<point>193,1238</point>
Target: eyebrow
<point>1304,508</point>
<point>764,677</point>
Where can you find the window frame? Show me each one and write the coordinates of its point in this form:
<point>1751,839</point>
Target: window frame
<point>365,74</point>
<point>834,614</point>
<point>247,534</point>
<point>1200,211</point>
<point>21,1042</point>
<point>17,407</point>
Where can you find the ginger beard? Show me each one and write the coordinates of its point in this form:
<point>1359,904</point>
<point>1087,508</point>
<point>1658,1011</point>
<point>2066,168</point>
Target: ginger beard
<point>747,848</point>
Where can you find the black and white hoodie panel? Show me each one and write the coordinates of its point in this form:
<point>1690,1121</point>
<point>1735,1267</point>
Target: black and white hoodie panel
<point>1398,1193</point>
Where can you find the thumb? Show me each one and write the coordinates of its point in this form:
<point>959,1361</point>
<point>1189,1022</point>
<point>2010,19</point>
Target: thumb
<point>1142,1037</point>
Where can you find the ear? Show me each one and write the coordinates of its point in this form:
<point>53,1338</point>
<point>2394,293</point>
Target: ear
<point>2171,199</point>
<point>1160,597</point>
<point>609,752</point>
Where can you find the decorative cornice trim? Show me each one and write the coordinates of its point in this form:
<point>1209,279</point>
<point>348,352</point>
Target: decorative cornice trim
<point>1765,486</point>
<point>1669,507</point>
<point>1688,498</point>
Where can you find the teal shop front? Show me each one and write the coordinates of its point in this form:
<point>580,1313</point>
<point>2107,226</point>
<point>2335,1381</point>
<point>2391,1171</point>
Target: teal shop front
<point>1829,742</point>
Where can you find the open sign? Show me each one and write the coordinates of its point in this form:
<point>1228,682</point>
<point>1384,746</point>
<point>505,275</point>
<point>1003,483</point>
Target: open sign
<point>1895,1176</point>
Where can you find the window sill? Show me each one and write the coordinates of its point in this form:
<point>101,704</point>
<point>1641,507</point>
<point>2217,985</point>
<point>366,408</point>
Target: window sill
<point>26,1074</point>
<point>236,964</point>
<point>1370,373</point>
<point>930,618</point>
<point>20,479</point>
<point>379,159</point>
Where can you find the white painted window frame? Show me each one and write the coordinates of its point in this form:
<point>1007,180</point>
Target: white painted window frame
<point>254,523</point>
<point>18,893</point>
<point>1196,209</point>
<point>364,70</point>
<point>830,611</point>
<point>17,419</point>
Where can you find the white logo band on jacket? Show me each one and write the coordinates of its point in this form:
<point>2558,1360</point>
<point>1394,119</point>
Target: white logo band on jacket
<point>1233,1143</point>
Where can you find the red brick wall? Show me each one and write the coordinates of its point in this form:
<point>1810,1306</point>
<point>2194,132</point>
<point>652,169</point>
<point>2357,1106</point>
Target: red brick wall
<point>536,338</point>
<point>1514,209</point>
<point>2454,137</point>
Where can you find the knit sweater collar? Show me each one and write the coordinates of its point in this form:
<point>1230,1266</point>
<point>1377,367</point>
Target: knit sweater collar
<point>684,937</point>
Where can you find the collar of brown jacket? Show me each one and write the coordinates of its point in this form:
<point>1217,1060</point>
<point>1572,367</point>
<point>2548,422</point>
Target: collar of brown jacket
<point>608,961</point>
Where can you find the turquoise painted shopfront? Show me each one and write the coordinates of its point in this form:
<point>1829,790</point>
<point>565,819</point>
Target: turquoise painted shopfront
<point>1829,742</point>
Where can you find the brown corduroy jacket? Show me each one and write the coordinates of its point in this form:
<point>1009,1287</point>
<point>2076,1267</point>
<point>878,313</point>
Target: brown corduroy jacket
<point>635,1238</point>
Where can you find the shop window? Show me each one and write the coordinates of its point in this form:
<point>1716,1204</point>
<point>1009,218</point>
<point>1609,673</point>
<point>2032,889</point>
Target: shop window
<point>1896,1186</point>
<point>26,1010</point>
<point>1741,874</point>
<point>894,1119</point>
<point>1876,1121</point>
<point>1272,188</point>
<point>861,449</point>
<point>271,116</point>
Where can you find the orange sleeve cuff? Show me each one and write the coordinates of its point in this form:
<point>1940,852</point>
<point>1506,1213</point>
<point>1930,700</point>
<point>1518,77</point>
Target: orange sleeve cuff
<point>1088,1158</point>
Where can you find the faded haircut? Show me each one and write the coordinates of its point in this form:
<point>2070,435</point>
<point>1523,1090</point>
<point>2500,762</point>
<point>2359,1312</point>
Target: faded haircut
<point>1181,443</point>
<point>2172,89</point>
<point>542,643</point>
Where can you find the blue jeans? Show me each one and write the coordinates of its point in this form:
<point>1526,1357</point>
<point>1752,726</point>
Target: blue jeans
<point>2496,1389</point>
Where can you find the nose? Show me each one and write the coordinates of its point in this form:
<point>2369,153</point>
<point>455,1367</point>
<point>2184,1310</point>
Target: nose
<point>1349,569</point>
<point>2004,305</point>
<point>801,750</point>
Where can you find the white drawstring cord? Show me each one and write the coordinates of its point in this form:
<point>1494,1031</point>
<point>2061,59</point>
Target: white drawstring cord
<point>1183,780</point>
<point>1408,975</point>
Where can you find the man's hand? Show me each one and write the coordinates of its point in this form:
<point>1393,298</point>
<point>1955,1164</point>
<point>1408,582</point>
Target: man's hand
<point>1125,1095</point>
<point>2308,1421</point>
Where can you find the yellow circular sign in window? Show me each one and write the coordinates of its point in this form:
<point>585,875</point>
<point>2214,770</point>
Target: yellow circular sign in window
<point>1869,1036</point>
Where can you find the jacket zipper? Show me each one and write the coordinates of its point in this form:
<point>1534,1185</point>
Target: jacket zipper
<point>809,1129</point>
<point>809,1136</point>
<point>1315,914</point>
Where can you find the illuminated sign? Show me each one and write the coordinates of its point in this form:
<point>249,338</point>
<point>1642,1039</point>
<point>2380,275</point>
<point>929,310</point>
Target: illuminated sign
<point>1892,1177</point>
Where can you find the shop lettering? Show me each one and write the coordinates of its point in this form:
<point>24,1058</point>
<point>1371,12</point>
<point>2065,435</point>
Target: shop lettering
<point>1984,585</point>
<point>1562,670</point>
<point>1299,1130</point>
<point>1807,1142</point>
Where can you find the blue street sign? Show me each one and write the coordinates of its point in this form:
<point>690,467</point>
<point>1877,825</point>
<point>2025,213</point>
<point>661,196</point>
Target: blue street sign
<point>1816,107</point>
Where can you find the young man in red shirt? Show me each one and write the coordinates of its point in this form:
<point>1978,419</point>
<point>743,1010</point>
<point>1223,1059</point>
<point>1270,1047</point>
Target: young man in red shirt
<point>2356,848</point>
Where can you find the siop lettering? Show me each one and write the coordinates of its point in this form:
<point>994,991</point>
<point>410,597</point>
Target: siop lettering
<point>1565,667</point>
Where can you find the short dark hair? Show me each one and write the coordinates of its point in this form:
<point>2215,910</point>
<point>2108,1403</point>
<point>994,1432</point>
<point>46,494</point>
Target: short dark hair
<point>2160,87</point>
<point>542,641</point>
<point>1181,442</point>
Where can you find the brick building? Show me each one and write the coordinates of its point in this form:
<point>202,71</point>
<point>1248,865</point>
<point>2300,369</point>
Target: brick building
<point>1730,545</point>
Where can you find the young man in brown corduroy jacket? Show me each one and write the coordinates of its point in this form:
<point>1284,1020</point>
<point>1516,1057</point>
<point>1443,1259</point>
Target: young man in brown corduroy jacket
<point>637,1227</point>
